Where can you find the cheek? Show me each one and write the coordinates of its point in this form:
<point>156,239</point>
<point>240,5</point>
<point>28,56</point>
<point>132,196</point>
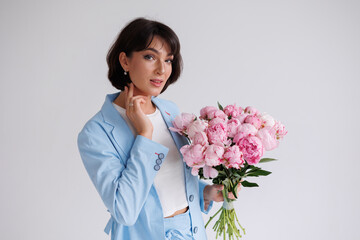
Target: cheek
<point>141,70</point>
<point>169,71</point>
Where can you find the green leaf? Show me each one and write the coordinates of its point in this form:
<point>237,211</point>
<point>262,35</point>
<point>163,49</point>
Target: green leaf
<point>220,107</point>
<point>237,175</point>
<point>264,160</point>
<point>234,191</point>
<point>257,173</point>
<point>252,167</point>
<point>249,184</point>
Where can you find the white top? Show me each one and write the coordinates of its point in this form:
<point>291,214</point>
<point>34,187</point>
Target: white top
<point>169,182</point>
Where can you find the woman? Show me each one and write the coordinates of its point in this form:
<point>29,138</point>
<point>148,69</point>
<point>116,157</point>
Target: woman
<point>129,153</point>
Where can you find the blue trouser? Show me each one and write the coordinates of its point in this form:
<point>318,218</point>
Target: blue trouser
<point>178,227</point>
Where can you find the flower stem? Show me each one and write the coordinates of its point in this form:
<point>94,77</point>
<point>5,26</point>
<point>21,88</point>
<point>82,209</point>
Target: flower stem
<point>226,225</point>
<point>212,217</point>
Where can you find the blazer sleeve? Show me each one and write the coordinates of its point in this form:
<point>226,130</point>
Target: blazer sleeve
<point>123,184</point>
<point>202,185</point>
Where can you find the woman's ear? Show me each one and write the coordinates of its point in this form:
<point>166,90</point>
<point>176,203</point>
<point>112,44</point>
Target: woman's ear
<point>124,61</point>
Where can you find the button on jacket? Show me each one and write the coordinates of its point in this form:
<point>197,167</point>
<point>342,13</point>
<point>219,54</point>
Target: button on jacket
<point>123,167</point>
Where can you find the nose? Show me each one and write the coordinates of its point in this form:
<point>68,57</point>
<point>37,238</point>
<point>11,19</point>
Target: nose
<point>160,68</point>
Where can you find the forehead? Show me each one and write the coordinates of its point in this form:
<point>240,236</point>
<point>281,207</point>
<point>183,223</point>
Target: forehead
<point>160,45</point>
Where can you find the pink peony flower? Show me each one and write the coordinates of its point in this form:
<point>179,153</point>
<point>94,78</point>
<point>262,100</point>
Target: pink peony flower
<point>244,130</point>
<point>195,127</point>
<point>182,121</point>
<point>233,110</point>
<point>251,111</point>
<point>242,117</point>
<point>280,130</point>
<point>194,171</point>
<point>204,112</point>
<point>217,114</point>
<point>200,138</point>
<point>217,121</point>
<point>193,155</point>
<point>267,120</point>
<point>254,120</point>
<point>217,131</point>
<point>268,138</point>
<point>233,125</point>
<point>252,149</point>
<point>213,155</point>
<point>233,157</point>
<point>210,172</point>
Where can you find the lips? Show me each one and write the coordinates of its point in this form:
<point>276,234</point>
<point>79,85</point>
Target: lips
<point>156,82</point>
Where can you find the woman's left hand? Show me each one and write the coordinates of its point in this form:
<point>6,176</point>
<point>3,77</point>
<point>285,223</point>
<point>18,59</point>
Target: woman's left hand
<point>214,193</point>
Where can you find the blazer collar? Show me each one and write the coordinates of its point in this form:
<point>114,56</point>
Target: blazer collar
<point>109,113</point>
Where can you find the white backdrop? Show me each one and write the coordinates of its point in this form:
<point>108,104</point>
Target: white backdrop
<point>298,60</point>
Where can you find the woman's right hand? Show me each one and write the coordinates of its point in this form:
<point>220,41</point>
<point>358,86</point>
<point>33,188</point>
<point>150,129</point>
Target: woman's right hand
<point>135,113</point>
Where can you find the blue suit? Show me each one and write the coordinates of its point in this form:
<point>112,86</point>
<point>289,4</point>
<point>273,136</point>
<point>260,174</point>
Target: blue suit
<point>123,167</point>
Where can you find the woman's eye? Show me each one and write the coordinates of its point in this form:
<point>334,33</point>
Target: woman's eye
<point>169,60</point>
<point>149,57</point>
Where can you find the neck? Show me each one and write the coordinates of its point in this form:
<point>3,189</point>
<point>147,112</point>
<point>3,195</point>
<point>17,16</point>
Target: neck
<point>147,107</point>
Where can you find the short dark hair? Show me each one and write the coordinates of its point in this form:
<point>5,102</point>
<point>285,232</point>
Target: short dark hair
<point>137,36</point>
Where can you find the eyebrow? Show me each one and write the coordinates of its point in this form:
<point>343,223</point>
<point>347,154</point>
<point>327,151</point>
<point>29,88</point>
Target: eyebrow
<point>156,51</point>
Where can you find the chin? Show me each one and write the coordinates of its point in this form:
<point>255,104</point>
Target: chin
<point>156,92</point>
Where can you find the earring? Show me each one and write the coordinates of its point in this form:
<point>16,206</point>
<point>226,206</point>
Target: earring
<point>125,73</point>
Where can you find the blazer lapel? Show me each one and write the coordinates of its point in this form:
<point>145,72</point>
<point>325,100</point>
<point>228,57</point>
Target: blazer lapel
<point>120,130</point>
<point>169,115</point>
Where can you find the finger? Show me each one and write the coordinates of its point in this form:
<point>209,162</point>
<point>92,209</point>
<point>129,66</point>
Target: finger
<point>126,91</point>
<point>133,100</point>
<point>130,91</point>
<point>126,96</point>
<point>219,198</point>
<point>217,192</point>
<point>135,106</point>
<point>231,196</point>
<point>137,102</point>
<point>218,187</point>
<point>130,100</point>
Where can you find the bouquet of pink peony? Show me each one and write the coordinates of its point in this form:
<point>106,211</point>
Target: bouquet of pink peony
<point>225,145</point>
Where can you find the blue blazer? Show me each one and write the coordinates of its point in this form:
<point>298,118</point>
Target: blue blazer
<point>123,167</point>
